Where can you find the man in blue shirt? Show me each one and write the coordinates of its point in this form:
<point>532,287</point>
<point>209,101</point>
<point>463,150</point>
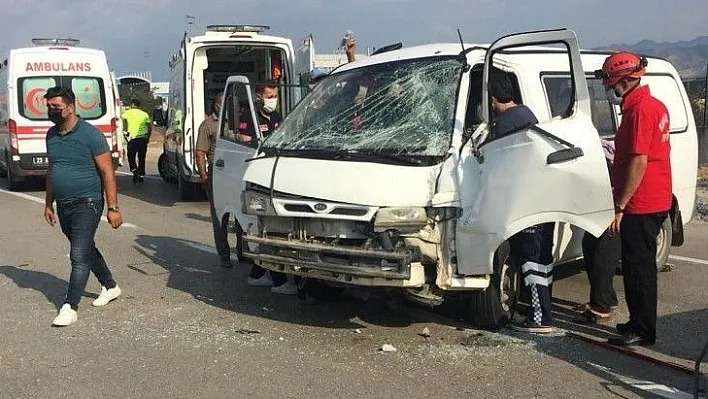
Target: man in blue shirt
<point>532,248</point>
<point>80,170</point>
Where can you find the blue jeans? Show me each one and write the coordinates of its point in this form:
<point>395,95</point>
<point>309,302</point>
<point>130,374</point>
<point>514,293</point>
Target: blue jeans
<point>79,219</point>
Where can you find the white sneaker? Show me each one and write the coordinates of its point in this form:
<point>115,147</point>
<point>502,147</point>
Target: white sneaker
<point>288,288</point>
<point>107,296</point>
<point>264,281</point>
<point>66,316</point>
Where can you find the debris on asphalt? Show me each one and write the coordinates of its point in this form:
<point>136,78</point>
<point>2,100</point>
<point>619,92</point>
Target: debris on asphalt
<point>266,309</point>
<point>281,338</point>
<point>388,348</point>
<point>245,331</point>
<point>668,267</point>
<point>425,333</point>
<point>357,331</point>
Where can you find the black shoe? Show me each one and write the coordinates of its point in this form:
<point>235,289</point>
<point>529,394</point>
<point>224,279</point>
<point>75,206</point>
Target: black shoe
<point>136,176</point>
<point>631,339</point>
<point>624,328</point>
<point>141,179</point>
<point>226,263</point>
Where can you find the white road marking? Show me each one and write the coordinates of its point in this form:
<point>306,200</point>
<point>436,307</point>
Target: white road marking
<point>690,260</point>
<point>41,201</point>
<point>648,386</point>
<point>118,172</point>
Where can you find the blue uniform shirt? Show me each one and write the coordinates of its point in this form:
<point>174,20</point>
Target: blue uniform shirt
<point>74,172</point>
<point>512,119</point>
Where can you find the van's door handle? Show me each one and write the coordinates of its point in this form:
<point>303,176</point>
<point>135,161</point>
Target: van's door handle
<point>219,163</point>
<point>564,155</point>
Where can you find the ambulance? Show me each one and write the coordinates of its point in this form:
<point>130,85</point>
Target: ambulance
<point>199,70</point>
<point>25,77</point>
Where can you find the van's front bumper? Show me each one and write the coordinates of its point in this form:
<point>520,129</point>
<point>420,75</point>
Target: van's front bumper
<point>339,264</point>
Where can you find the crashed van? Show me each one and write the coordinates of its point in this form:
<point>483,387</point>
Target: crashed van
<point>388,174</point>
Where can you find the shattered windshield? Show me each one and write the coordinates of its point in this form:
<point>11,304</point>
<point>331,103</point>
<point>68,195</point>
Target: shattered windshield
<point>397,108</point>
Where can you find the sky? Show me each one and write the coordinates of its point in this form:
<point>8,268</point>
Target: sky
<point>141,35</point>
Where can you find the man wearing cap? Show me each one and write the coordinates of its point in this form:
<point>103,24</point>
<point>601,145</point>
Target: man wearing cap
<point>642,190</point>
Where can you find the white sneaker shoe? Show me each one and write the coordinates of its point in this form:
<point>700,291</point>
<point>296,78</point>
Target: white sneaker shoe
<point>264,281</point>
<point>288,288</point>
<point>107,296</point>
<point>66,316</point>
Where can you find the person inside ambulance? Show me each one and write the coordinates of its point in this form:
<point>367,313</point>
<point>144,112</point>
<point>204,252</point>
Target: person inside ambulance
<point>268,118</point>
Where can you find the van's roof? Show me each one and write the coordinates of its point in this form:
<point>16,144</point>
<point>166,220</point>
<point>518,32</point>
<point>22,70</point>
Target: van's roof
<point>70,49</point>
<point>453,49</point>
<point>211,37</point>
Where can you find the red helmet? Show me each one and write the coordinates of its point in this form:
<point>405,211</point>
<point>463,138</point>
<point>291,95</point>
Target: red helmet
<point>619,66</point>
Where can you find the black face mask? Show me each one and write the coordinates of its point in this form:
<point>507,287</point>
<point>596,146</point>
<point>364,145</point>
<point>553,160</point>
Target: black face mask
<point>55,116</point>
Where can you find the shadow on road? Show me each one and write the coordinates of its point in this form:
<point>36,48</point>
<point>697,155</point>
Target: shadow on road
<point>52,287</point>
<point>198,217</point>
<point>152,191</point>
<point>194,268</point>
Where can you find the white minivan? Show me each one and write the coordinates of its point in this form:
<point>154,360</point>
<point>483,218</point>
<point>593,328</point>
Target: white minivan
<point>24,78</point>
<point>387,173</point>
<point>198,71</point>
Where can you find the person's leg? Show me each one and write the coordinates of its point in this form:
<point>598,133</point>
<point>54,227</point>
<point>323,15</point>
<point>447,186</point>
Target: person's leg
<point>221,239</point>
<point>638,233</point>
<point>529,247</point>
<point>81,221</point>
<point>142,153</point>
<point>132,152</point>
<point>602,257</point>
<point>99,268</point>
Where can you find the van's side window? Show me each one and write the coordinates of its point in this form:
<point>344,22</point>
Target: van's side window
<point>235,117</point>
<point>473,115</point>
<point>559,94</point>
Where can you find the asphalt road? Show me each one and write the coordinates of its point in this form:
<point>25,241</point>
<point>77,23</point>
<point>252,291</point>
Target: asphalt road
<point>184,327</point>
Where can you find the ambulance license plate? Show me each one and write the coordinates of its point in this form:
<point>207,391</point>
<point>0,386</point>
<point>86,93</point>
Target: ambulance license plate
<point>40,161</point>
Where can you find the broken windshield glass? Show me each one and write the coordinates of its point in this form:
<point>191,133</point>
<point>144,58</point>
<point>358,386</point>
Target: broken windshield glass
<point>397,108</point>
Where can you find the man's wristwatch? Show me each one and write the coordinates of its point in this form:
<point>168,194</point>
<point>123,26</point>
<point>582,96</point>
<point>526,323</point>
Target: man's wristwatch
<point>619,209</point>
<point>113,209</point>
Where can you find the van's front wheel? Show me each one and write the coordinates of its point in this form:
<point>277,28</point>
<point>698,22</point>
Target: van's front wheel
<point>493,308</point>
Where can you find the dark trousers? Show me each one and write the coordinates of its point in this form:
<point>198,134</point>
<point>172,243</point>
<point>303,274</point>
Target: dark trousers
<point>221,237</point>
<point>533,250</point>
<point>638,234</point>
<point>137,147</point>
<point>79,221</point>
<point>602,256</point>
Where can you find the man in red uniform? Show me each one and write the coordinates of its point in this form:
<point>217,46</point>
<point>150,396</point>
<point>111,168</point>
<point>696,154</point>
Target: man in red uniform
<point>642,177</point>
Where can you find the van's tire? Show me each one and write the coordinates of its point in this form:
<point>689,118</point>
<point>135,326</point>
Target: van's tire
<point>189,191</point>
<point>163,168</point>
<point>493,308</point>
<point>663,243</point>
<point>321,291</point>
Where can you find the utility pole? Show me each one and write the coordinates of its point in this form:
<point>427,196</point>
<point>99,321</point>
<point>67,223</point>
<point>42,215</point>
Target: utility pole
<point>705,101</point>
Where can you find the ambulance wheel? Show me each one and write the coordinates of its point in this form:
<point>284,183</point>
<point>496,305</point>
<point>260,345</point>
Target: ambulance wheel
<point>190,191</point>
<point>663,243</point>
<point>12,183</point>
<point>493,308</point>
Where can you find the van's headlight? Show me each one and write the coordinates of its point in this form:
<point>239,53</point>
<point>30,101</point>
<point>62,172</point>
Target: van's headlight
<point>255,203</point>
<point>400,217</point>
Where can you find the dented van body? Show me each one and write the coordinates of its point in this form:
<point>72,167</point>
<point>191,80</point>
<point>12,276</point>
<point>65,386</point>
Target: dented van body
<point>389,175</point>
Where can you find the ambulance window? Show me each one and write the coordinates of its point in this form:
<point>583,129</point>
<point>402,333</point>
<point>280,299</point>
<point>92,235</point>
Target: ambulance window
<point>666,89</point>
<point>89,98</point>
<point>34,107</point>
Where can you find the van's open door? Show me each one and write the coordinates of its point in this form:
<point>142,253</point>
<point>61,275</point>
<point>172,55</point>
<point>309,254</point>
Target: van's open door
<point>553,171</point>
<point>235,144</point>
<point>304,64</point>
